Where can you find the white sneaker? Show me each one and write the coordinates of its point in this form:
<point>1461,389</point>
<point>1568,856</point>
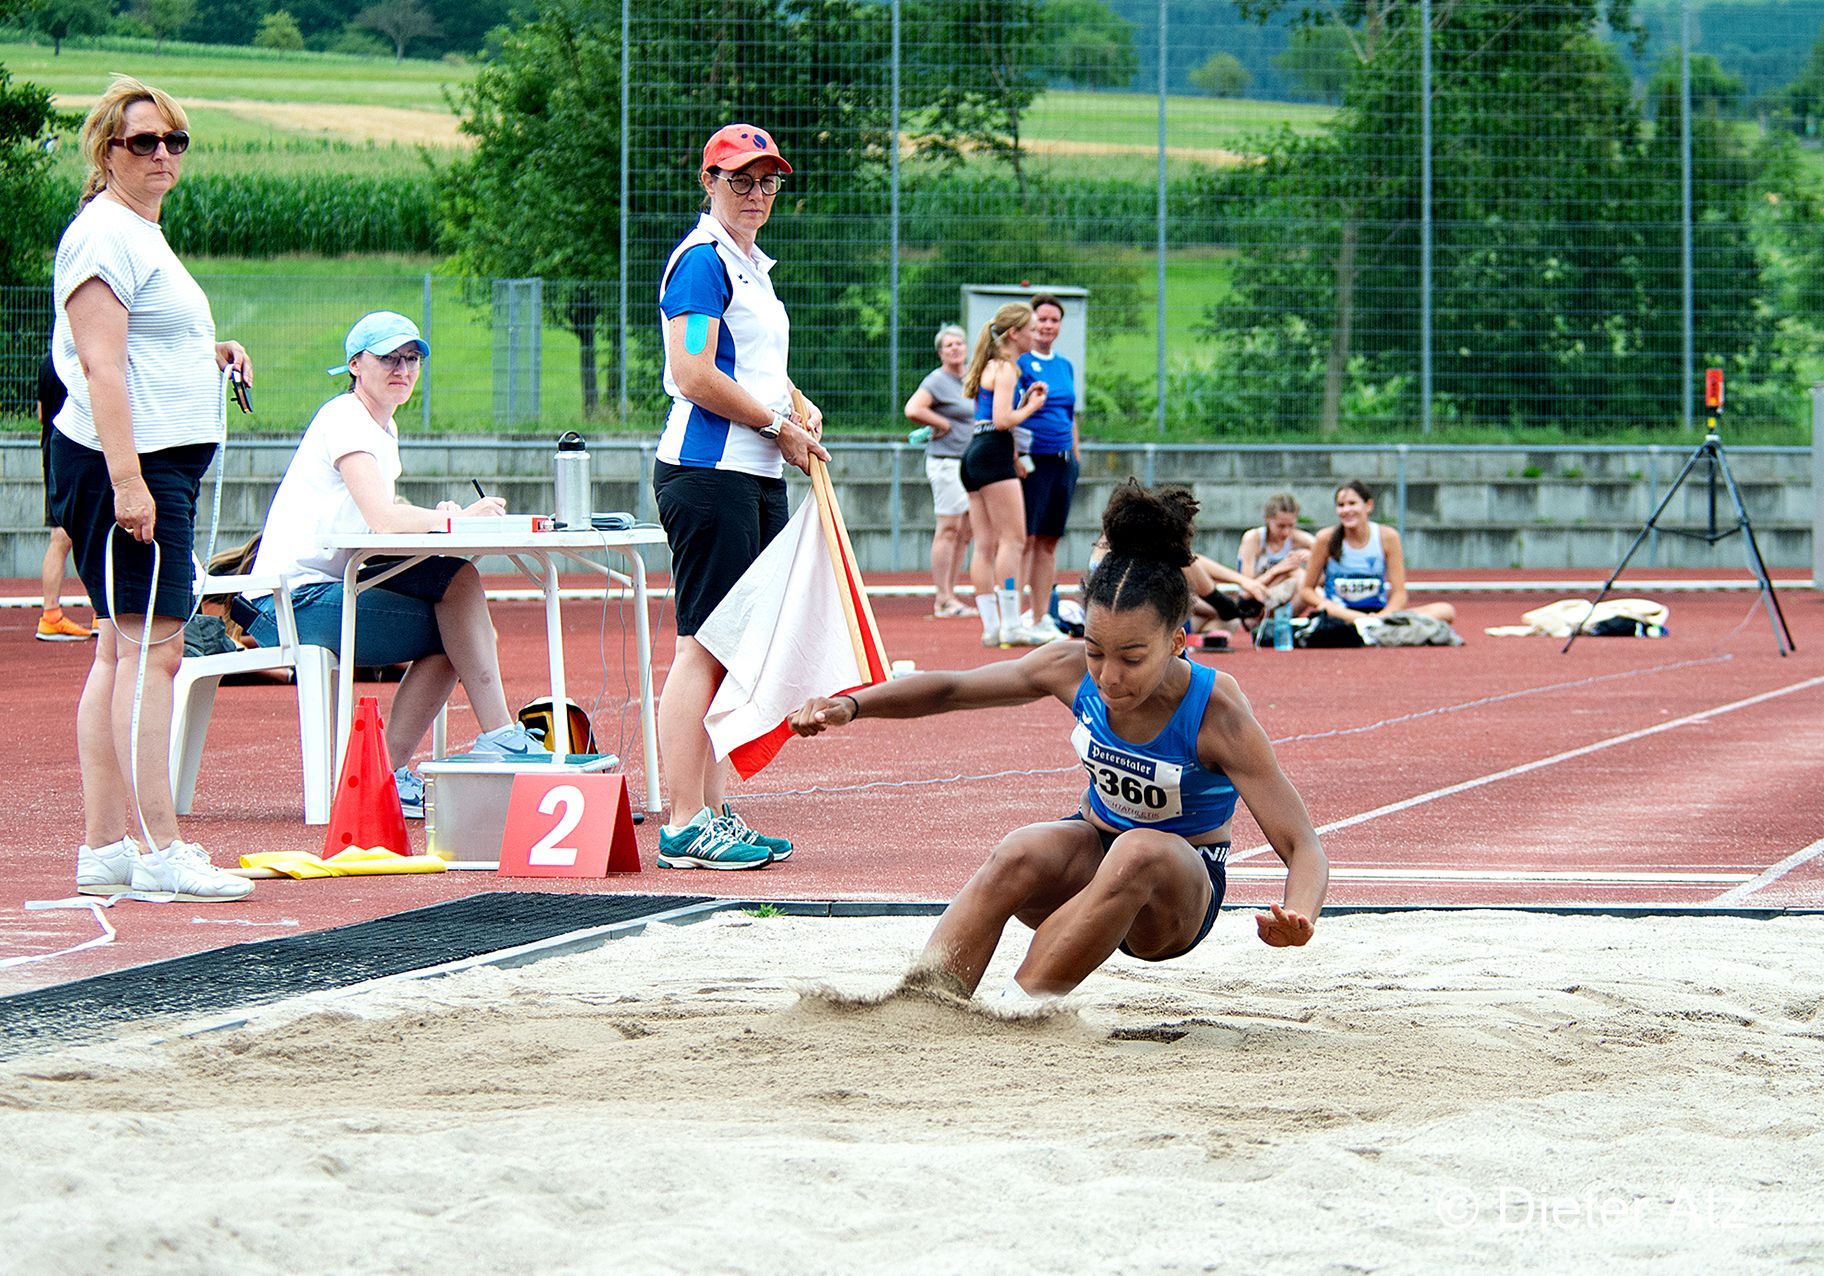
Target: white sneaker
<point>1048,628</point>
<point>106,870</point>
<point>1027,636</point>
<point>992,639</point>
<point>183,871</point>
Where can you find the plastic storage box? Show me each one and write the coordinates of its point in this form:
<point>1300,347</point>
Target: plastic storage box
<point>466,796</point>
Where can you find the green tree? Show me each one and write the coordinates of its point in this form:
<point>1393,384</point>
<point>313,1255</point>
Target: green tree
<point>971,75</point>
<point>1222,75</point>
<point>61,19</point>
<point>1087,44</point>
<point>167,18</point>
<point>400,21</point>
<point>279,31</point>
<point>1799,106</point>
<point>1555,212</point>
<point>29,223</point>
<point>539,194</point>
<point>1318,58</point>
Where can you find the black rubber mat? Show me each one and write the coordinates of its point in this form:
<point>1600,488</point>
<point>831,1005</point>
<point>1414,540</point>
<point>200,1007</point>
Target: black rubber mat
<point>270,970</point>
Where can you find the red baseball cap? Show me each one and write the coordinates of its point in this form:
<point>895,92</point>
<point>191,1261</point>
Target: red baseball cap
<point>738,145</point>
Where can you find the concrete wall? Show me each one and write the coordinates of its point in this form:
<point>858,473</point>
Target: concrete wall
<point>1457,507</point>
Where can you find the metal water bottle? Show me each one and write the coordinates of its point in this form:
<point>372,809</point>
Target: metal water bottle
<point>574,501</point>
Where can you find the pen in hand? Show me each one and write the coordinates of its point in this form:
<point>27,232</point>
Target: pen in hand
<point>476,483</point>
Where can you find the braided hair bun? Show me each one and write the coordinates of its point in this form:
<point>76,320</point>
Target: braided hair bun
<point>1149,546</point>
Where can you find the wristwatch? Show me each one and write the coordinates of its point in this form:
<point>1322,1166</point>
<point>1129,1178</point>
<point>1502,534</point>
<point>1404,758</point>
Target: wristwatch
<point>770,431</point>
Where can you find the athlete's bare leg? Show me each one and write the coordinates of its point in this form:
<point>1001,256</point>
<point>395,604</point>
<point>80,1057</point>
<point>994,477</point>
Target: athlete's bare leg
<point>1151,890</point>
<point>1032,872</point>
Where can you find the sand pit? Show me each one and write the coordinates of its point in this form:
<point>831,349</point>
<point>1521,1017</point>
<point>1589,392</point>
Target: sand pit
<point>1419,1092</point>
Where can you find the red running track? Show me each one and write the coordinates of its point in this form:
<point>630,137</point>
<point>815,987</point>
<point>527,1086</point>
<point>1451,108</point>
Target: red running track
<point>1677,771</point>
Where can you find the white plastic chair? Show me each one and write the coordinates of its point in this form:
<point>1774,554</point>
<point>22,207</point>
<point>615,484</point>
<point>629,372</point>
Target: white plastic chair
<point>314,671</point>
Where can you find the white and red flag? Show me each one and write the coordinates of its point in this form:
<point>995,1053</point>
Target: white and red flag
<point>796,625</point>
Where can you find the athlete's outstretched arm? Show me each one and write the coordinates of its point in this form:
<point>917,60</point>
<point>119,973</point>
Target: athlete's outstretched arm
<point>1052,670</point>
<point>1232,739</point>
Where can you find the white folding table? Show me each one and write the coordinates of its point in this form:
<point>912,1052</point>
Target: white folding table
<point>534,553</point>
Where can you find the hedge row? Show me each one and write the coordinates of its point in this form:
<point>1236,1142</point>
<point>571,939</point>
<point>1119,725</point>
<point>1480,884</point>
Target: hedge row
<point>270,214</point>
<point>267,214</point>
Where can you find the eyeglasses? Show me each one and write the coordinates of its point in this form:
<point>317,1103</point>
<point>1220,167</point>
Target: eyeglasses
<point>742,183</point>
<point>142,144</point>
<point>407,359</point>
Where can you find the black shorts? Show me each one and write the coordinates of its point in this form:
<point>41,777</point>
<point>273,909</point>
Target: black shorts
<point>1049,490</point>
<point>82,503</point>
<point>44,448</point>
<point>1215,863</point>
<point>988,459</point>
<point>717,522</point>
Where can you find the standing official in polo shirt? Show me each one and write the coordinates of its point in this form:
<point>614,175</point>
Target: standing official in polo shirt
<point>1050,485</point>
<point>717,473</point>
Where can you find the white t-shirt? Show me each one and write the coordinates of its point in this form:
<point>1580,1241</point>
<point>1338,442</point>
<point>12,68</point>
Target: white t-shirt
<point>313,501</point>
<point>174,389</point>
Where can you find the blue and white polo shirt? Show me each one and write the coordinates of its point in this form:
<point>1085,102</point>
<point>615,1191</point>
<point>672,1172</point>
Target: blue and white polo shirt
<point>708,274</point>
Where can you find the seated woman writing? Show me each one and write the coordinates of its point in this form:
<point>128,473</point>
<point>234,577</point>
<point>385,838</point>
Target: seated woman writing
<point>1169,746</point>
<point>1358,568</point>
<point>435,614</point>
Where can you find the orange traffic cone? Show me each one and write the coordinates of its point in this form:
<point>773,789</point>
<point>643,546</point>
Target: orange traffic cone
<point>366,811</point>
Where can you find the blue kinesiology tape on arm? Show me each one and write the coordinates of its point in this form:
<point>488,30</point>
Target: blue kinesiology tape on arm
<point>696,334</point>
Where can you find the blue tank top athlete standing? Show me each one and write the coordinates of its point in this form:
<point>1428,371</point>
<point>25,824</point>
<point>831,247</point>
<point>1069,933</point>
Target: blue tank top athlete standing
<point>1168,746</point>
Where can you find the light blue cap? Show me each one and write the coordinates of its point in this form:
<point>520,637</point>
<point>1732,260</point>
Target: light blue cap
<point>381,332</point>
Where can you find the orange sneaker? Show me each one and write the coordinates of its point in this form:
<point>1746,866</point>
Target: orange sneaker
<point>62,629</point>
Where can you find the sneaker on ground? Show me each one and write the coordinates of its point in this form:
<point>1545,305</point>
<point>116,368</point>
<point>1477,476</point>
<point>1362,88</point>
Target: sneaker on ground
<point>106,870</point>
<point>62,629</point>
<point>1027,636</point>
<point>511,741</point>
<point>411,792</point>
<point>1048,627</point>
<point>709,841</point>
<point>991,638</point>
<point>183,871</point>
<point>778,847</point>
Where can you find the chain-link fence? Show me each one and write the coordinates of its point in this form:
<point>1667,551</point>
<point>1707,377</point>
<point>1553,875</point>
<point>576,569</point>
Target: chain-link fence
<point>1467,220</point>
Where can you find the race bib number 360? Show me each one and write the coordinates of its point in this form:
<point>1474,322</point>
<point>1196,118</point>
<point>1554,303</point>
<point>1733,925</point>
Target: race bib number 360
<point>1144,790</point>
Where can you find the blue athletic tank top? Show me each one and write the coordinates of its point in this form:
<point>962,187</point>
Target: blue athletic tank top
<point>1268,557</point>
<point>1359,579</point>
<point>984,401</point>
<point>1159,784</point>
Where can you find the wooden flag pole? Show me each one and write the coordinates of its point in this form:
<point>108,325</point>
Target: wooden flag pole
<point>832,539</point>
<point>834,535</point>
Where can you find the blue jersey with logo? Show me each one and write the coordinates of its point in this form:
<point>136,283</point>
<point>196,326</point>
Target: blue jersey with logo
<point>1358,580</point>
<point>709,274</point>
<point>1160,784</point>
<point>1051,424</point>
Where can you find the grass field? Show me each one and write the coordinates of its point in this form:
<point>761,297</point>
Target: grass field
<point>217,72</point>
<point>1191,123</point>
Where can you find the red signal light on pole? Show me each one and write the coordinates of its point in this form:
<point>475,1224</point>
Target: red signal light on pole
<point>1713,389</point>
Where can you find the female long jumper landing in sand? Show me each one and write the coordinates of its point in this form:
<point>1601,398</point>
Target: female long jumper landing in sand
<point>1141,866</point>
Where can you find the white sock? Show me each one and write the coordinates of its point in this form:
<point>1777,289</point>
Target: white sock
<point>990,607</point>
<point>1018,995</point>
<point>1010,606</point>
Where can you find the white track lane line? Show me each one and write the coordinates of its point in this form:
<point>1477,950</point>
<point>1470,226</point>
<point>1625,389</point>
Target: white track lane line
<point>1451,790</point>
<point>1772,875</point>
<point>1496,876</point>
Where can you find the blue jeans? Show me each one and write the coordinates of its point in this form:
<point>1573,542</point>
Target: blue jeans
<point>396,623</point>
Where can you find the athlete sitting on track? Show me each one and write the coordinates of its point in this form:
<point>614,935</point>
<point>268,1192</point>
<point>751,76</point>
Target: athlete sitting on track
<point>1141,865</point>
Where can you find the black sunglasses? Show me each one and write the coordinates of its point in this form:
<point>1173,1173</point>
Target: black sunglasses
<point>142,144</point>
